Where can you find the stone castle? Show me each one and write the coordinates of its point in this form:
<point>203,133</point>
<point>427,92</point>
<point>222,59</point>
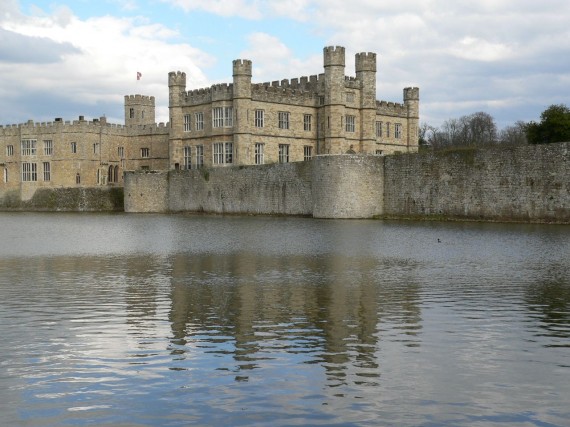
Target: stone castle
<point>240,123</point>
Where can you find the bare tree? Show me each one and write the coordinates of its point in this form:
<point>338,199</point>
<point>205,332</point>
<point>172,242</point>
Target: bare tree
<point>514,134</point>
<point>474,129</point>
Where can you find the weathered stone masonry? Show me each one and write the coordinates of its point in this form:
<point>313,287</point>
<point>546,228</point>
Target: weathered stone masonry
<point>529,183</point>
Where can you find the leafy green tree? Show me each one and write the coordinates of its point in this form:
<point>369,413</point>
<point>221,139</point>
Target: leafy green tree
<point>554,126</point>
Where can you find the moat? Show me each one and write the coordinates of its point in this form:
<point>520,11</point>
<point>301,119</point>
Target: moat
<point>176,320</point>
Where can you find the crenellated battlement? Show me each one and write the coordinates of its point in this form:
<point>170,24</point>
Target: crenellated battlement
<point>217,92</point>
<point>79,126</point>
<point>391,109</point>
<point>309,84</point>
<point>139,99</point>
<point>242,67</point>
<point>365,61</point>
<point>283,95</point>
<point>334,56</point>
<point>177,78</point>
<point>412,94</point>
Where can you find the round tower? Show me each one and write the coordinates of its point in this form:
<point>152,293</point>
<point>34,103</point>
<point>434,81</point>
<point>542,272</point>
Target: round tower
<point>412,102</point>
<point>365,66</point>
<point>139,110</point>
<point>333,110</point>
<point>176,86</point>
<point>334,62</point>
<point>242,78</point>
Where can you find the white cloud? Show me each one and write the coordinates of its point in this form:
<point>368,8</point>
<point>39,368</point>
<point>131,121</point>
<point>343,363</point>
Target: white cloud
<point>94,61</point>
<point>242,8</point>
<point>476,49</point>
<point>464,55</point>
<point>278,62</point>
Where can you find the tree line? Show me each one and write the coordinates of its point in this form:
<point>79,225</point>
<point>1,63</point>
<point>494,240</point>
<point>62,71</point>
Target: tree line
<point>480,129</point>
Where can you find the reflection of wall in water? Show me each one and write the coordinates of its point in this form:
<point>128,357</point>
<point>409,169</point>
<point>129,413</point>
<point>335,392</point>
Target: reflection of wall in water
<point>330,306</point>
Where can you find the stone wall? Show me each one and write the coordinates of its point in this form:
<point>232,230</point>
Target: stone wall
<point>146,191</point>
<point>527,183</point>
<point>349,186</point>
<point>279,189</point>
<point>95,199</point>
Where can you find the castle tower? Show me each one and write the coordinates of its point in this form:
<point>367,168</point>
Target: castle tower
<point>334,107</point>
<point>139,110</point>
<point>176,90</point>
<point>412,102</point>
<point>365,66</point>
<point>242,104</point>
<point>334,63</point>
<point>176,86</point>
<point>242,78</point>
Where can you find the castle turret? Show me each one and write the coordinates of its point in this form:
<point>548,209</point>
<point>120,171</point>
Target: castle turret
<point>176,86</point>
<point>139,110</point>
<point>334,62</point>
<point>176,90</point>
<point>334,107</point>
<point>412,102</point>
<point>365,66</point>
<point>242,78</point>
<point>241,106</point>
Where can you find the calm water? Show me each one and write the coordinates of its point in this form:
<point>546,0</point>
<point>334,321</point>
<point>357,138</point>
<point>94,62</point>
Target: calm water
<point>171,320</point>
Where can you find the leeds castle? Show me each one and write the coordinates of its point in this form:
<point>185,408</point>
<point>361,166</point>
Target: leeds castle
<point>238,123</point>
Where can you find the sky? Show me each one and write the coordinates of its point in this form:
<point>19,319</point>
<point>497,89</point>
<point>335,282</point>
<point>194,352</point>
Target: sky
<point>63,58</point>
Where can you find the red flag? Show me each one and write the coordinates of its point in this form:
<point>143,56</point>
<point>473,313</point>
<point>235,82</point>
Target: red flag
<point>139,75</point>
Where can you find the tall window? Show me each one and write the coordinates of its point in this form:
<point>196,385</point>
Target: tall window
<point>48,147</point>
<point>223,153</point>
<point>307,152</point>
<point>199,117</point>
<point>74,147</point>
<point>145,153</point>
<point>77,178</point>
<point>218,153</point>
<point>199,156</point>
<point>95,148</point>
<point>29,172</point>
<point>9,150</point>
<point>283,120</point>
<point>398,130</point>
<point>187,121</point>
<point>378,128</point>
<point>5,174</point>
<point>131,114</point>
<point>28,147</point>
<point>228,116</point>
<point>47,171</point>
<point>387,130</point>
<point>283,153</point>
<point>222,116</point>
<point>218,117</point>
<point>187,157</point>
<point>307,122</point>
<point>121,152</point>
<point>349,123</point>
<point>259,153</point>
<point>259,118</point>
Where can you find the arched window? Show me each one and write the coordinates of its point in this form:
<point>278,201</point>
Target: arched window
<point>77,178</point>
<point>116,177</point>
<point>110,174</point>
